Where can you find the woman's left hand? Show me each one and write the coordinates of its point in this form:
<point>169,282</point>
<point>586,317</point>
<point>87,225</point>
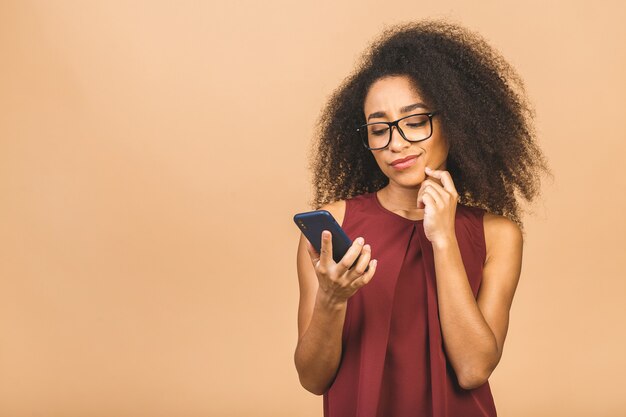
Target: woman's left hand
<point>438,199</point>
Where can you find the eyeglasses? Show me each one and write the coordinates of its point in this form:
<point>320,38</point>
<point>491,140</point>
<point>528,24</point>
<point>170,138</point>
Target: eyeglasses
<point>413,128</point>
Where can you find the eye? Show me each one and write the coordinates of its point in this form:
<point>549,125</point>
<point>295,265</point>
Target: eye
<point>418,124</point>
<point>417,121</point>
<point>378,130</point>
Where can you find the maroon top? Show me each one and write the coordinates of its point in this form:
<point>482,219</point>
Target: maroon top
<point>393,362</point>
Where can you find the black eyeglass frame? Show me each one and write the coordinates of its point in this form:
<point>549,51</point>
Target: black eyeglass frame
<point>391,125</point>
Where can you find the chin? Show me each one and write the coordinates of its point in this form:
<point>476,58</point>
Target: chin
<point>407,180</point>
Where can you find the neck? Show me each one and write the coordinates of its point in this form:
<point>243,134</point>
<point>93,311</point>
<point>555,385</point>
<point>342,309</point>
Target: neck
<point>400,198</point>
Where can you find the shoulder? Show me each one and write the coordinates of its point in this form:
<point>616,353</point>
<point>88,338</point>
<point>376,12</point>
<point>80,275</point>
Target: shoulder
<point>497,225</point>
<point>358,205</point>
<point>501,233</point>
<point>337,209</point>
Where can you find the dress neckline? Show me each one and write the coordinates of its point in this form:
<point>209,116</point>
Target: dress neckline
<point>384,210</point>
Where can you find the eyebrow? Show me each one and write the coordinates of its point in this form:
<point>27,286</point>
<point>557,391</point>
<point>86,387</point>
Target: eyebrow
<point>404,109</point>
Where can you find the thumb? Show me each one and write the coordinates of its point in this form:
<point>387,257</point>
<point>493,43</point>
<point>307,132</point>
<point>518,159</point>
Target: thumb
<point>420,199</point>
<point>420,203</point>
<point>315,256</point>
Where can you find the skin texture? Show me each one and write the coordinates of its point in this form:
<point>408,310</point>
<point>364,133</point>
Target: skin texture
<point>482,153</point>
<point>473,330</point>
<point>484,114</point>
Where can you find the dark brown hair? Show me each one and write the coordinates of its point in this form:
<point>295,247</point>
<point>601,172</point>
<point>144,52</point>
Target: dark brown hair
<point>485,116</point>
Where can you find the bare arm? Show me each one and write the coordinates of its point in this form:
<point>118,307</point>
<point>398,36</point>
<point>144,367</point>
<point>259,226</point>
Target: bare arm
<point>318,351</point>
<point>325,287</point>
<point>474,330</point>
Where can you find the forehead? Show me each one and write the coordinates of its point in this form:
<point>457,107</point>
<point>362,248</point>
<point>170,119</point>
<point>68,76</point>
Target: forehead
<point>394,91</point>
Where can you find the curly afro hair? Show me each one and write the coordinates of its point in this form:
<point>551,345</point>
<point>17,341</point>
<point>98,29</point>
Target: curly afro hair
<point>485,116</point>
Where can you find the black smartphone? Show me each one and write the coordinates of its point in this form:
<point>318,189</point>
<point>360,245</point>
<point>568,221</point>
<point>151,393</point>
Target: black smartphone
<point>313,223</point>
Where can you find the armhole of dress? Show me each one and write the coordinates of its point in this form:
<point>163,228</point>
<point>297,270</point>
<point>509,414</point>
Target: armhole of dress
<point>481,218</point>
<point>348,203</point>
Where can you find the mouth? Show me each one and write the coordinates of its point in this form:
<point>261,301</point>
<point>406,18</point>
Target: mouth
<point>404,163</point>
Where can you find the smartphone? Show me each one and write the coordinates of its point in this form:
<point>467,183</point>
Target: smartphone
<point>313,223</point>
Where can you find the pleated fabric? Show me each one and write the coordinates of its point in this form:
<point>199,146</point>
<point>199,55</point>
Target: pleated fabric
<point>393,361</point>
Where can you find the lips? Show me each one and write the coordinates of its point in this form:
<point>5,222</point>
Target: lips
<point>403,160</point>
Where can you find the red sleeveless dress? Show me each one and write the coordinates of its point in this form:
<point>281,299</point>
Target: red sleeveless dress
<point>393,362</point>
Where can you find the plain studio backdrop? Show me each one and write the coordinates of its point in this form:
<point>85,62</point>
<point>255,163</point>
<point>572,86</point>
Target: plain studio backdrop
<point>153,153</point>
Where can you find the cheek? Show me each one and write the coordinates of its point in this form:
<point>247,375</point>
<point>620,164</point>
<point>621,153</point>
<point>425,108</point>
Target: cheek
<point>379,159</point>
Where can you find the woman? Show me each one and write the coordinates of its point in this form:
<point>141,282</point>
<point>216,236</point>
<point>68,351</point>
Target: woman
<point>421,153</point>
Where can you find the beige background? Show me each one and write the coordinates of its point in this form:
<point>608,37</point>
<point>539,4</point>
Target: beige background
<point>152,155</point>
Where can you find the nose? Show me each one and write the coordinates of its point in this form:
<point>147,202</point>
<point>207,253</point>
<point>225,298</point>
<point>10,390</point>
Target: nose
<point>397,143</point>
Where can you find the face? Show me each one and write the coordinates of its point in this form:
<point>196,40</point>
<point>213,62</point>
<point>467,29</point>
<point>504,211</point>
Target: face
<point>389,99</point>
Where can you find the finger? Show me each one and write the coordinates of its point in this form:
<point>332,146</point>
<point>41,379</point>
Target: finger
<point>428,201</point>
<point>443,193</point>
<point>420,194</point>
<point>367,276</point>
<point>435,185</point>
<point>448,183</point>
<point>315,256</point>
<point>432,192</point>
<point>351,255</point>
<point>420,200</point>
<point>425,184</point>
<point>326,251</point>
<point>444,177</point>
<point>362,262</point>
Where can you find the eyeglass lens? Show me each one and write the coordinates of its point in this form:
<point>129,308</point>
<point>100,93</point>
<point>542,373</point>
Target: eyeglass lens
<point>415,128</point>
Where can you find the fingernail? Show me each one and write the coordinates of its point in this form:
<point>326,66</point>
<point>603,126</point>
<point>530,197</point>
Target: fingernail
<point>360,240</point>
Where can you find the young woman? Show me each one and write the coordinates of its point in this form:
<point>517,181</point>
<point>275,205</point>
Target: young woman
<point>422,154</point>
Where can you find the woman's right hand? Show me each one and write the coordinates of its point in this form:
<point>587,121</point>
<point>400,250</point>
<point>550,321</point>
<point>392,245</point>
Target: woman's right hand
<point>338,281</point>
